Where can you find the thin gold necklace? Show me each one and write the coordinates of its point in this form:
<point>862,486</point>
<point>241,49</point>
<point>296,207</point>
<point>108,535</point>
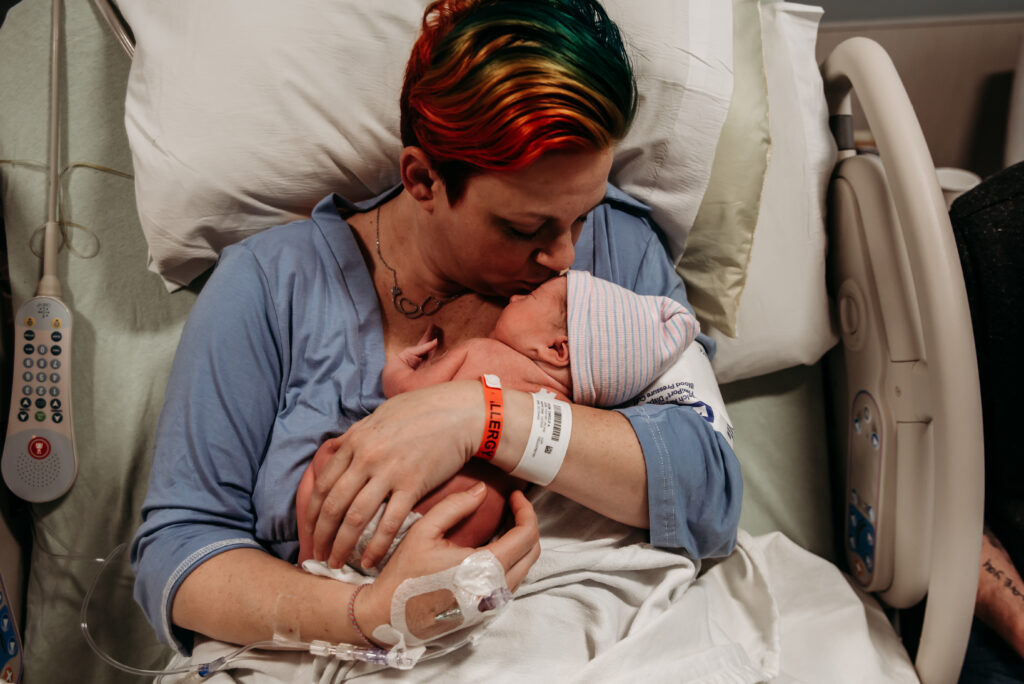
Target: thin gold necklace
<point>405,306</point>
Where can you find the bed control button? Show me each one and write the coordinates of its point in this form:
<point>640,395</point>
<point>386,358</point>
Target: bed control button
<point>41,391</point>
<point>40,403</point>
<point>25,402</point>
<point>856,425</point>
<point>39,448</point>
<point>55,404</point>
<point>56,350</point>
<point>56,336</point>
<point>27,376</point>
<point>55,391</point>
<point>55,364</point>
<point>29,348</point>
<point>26,390</point>
<point>55,378</point>
<point>40,416</point>
<point>22,416</point>
<point>41,363</point>
<point>29,321</point>
<point>58,418</point>
<point>40,376</point>
<point>875,442</point>
<point>30,335</point>
<point>41,349</point>
<point>27,363</point>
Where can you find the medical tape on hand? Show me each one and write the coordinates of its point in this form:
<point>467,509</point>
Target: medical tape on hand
<point>548,441</point>
<point>478,585</point>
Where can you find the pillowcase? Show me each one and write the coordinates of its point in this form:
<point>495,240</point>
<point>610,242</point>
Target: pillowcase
<point>783,318</point>
<point>242,114</point>
<point>714,265</point>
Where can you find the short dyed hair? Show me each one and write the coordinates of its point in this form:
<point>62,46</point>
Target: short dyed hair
<point>492,85</point>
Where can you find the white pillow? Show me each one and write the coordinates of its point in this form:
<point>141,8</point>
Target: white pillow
<point>242,114</point>
<point>783,318</point>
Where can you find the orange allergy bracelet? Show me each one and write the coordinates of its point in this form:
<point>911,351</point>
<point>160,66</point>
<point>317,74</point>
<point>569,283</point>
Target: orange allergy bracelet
<point>494,409</point>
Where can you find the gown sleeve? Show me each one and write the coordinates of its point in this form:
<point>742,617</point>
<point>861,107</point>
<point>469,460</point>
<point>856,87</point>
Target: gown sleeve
<point>221,402</point>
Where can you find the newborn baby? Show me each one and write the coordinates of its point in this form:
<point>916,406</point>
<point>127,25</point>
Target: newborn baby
<point>576,336</point>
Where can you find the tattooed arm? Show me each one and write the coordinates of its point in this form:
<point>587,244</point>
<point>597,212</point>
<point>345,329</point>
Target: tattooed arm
<point>1000,593</point>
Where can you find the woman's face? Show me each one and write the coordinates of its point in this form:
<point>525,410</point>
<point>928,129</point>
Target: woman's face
<point>512,231</point>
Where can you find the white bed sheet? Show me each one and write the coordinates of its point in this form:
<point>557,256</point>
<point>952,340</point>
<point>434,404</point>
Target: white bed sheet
<point>613,609</point>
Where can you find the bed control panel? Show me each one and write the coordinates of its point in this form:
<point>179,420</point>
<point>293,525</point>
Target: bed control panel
<point>39,462</point>
<point>864,488</point>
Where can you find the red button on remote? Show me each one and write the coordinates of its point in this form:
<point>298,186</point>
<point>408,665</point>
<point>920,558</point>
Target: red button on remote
<point>39,448</point>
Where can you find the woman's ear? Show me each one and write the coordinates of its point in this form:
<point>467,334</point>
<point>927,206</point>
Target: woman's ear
<point>557,353</point>
<point>419,176</point>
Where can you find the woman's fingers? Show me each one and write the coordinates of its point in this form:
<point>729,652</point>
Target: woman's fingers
<point>519,548</point>
<point>363,498</point>
<point>396,510</point>
<point>451,510</point>
<point>329,463</point>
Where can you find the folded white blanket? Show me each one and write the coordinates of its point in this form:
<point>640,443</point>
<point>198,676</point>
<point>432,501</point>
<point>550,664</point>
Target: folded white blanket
<point>612,608</point>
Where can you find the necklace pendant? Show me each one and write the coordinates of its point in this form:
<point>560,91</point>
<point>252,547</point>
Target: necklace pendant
<point>396,291</point>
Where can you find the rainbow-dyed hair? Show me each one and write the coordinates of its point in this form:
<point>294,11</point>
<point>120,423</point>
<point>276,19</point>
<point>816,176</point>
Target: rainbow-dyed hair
<point>491,85</point>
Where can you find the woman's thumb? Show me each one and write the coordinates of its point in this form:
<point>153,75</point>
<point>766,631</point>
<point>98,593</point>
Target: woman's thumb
<point>454,508</point>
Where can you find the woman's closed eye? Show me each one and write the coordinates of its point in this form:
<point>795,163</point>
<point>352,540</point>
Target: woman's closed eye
<point>523,232</point>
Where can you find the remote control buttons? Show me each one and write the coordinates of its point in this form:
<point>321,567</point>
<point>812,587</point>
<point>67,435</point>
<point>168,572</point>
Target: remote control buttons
<point>58,418</point>
<point>25,402</point>
<point>56,336</point>
<point>56,350</point>
<point>30,335</point>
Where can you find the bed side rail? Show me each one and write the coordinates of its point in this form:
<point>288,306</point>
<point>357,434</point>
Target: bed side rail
<point>863,66</point>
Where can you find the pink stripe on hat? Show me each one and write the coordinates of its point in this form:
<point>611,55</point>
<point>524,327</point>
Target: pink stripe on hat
<point>619,341</point>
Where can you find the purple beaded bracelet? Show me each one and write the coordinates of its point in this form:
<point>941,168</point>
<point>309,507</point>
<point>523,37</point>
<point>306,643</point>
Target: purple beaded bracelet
<point>352,615</point>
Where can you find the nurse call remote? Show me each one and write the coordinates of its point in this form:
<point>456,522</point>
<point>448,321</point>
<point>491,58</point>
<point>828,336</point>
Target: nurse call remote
<point>39,462</point>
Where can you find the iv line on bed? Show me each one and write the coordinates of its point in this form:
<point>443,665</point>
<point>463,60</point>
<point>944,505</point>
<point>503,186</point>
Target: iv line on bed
<point>397,658</point>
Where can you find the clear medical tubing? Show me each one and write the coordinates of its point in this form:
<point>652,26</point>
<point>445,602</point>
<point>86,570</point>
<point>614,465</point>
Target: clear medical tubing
<point>861,65</point>
<point>378,656</point>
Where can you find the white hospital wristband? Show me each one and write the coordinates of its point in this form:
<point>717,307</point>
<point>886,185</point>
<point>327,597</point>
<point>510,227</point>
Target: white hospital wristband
<point>548,441</point>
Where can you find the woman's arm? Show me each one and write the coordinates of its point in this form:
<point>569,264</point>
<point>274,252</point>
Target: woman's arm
<point>246,595</point>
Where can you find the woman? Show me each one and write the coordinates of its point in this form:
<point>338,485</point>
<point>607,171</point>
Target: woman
<point>509,114</point>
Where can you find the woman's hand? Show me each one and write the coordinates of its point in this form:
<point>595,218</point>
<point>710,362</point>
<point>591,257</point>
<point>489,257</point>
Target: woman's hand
<point>411,444</point>
<point>424,551</point>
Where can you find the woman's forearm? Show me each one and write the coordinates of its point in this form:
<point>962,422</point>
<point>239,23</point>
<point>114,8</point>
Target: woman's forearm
<point>604,467</point>
<point>244,596</point>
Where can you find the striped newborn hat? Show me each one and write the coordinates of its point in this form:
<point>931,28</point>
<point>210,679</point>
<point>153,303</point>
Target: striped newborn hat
<point>619,341</point>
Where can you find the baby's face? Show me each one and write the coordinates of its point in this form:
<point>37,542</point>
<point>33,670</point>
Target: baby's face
<point>533,321</point>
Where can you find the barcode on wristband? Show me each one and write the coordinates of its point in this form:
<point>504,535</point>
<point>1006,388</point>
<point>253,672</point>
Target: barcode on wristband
<point>545,448</point>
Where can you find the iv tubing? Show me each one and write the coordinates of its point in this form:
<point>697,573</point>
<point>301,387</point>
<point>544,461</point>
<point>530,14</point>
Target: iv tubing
<point>49,284</point>
<point>377,656</point>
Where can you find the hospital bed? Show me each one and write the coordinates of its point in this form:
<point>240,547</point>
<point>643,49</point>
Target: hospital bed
<point>732,149</point>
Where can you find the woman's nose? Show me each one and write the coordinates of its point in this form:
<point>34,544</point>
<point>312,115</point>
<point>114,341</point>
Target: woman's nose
<point>560,254</point>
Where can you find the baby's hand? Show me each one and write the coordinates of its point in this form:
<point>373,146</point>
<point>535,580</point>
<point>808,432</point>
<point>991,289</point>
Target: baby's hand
<point>415,355</point>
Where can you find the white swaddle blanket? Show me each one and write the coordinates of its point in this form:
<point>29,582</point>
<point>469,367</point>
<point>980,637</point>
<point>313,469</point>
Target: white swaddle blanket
<point>613,608</point>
